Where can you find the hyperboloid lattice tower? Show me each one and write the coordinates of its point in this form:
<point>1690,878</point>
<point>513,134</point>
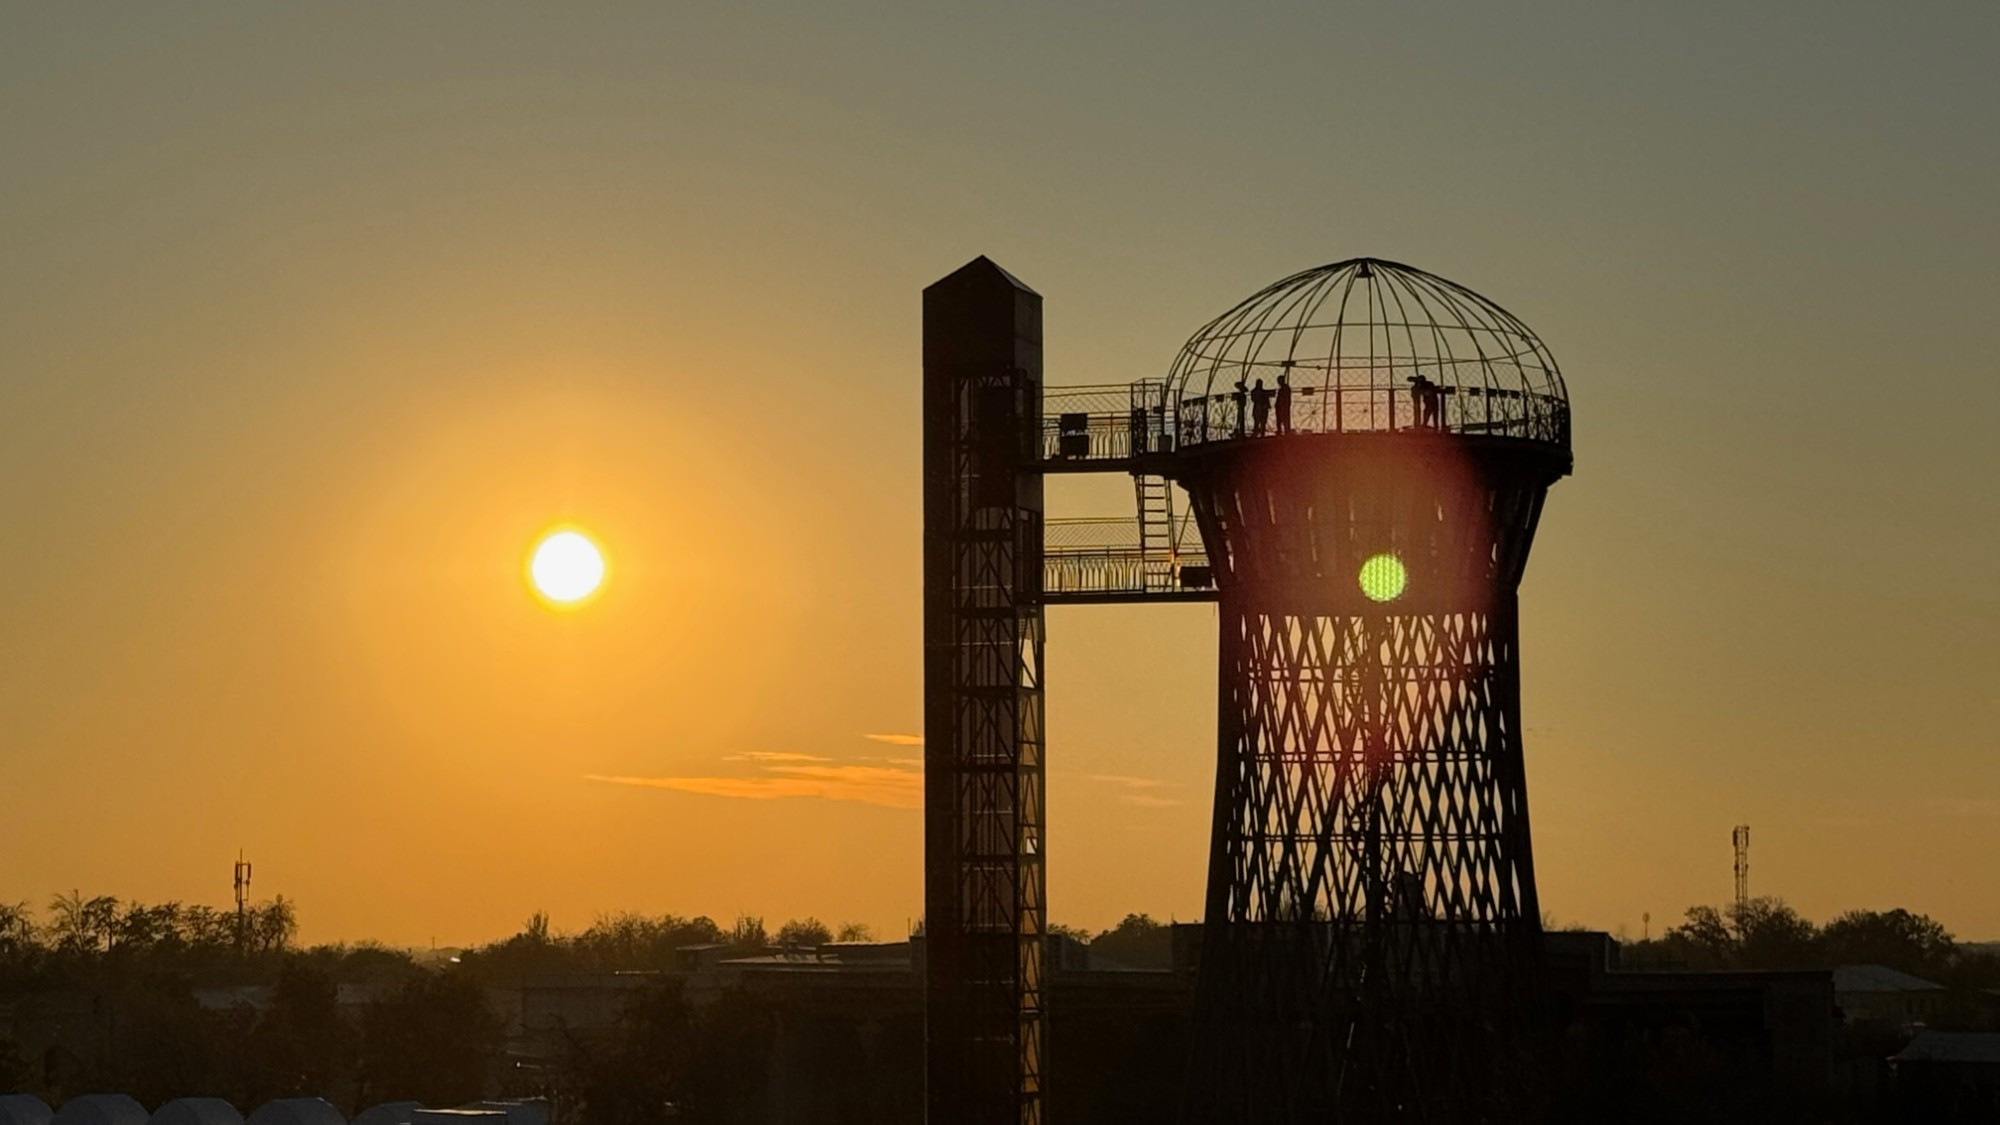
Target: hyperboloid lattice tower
<point>1366,448</point>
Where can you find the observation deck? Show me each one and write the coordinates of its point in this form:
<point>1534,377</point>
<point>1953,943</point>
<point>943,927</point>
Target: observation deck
<point>1140,429</point>
<point>1116,428</point>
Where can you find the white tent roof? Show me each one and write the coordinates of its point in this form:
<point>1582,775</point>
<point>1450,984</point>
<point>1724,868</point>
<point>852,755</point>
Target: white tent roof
<point>24,1109</point>
<point>196,1111</point>
<point>533,1112</point>
<point>101,1109</point>
<point>386,1113</point>
<point>297,1111</point>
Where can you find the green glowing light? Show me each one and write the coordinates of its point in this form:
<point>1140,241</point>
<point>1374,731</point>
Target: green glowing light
<point>1383,578</point>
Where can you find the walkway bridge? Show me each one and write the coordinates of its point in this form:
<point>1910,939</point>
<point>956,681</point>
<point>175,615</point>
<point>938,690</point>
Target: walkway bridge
<point>1153,556</point>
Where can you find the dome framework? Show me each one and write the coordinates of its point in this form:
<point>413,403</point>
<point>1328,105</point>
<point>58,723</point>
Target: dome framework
<point>1366,345</point>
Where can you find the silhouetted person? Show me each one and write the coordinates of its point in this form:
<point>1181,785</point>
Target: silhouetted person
<point>1284,404</point>
<point>1260,405</point>
<point>1425,393</point>
<point>1241,393</point>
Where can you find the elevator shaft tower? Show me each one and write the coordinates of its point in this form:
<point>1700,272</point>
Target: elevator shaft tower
<point>984,926</point>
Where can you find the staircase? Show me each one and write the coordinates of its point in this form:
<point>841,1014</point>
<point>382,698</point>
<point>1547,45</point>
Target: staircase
<point>1157,541</point>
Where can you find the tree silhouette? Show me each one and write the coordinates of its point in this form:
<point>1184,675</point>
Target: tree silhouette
<point>640,1075</point>
<point>1897,938</point>
<point>432,1039</point>
<point>1771,935</point>
<point>804,933</point>
<point>1704,940</point>
<point>747,933</point>
<point>1136,942</point>
<point>303,1044</point>
<point>1763,933</point>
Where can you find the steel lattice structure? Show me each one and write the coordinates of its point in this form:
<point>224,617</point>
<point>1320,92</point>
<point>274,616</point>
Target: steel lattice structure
<point>1371,938</point>
<point>983,876</point>
<point>1364,450</point>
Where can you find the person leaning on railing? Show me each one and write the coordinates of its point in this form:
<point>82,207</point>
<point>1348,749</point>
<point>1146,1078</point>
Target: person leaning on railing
<point>1426,394</point>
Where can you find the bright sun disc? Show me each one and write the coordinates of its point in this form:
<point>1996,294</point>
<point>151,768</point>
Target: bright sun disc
<point>567,567</point>
<point>1383,578</point>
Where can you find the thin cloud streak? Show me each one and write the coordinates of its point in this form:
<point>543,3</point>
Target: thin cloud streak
<point>1141,792</point>
<point>896,739</point>
<point>867,785</point>
<point>1129,782</point>
<point>1978,808</point>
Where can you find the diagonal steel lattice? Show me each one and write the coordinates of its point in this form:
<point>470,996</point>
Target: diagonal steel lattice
<point>1371,936</point>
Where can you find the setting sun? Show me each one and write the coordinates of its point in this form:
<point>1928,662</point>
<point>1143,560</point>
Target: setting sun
<point>566,567</point>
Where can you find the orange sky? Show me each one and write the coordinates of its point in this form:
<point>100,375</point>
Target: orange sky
<point>312,319</point>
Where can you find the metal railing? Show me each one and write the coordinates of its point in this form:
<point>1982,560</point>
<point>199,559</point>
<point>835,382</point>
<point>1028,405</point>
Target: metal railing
<point>1479,411</point>
<point>1103,558</point>
<point>1118,422</point>
<point>1104,422</point>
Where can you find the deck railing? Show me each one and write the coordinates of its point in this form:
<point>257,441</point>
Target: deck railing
<point>1480,411</point>
<point>1086,559</point>
<point>1117,422</point>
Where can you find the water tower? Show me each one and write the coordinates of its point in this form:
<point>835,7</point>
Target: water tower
<point>1366,448</point>
<point>1351,464</point>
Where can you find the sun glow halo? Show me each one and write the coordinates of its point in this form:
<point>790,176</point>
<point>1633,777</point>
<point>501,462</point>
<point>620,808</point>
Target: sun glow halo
<point>566,567</point>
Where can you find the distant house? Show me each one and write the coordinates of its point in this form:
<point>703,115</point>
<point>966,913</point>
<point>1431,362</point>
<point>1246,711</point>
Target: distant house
<point>1949,1076</point>
<point>1880,994</point>
<point>257,997</point>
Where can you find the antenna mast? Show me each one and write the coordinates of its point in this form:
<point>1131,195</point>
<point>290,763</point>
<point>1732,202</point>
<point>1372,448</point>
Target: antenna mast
<point>1741,838</point>
<point>242,903</point>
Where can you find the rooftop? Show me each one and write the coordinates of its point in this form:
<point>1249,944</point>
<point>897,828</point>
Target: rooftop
<point>1952,1047</point>
<point>1879,978</point>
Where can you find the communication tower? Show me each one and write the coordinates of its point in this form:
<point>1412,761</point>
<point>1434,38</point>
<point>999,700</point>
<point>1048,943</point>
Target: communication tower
<point>1352,464</point>
<point>242,902</point>
<point>1740,840</point>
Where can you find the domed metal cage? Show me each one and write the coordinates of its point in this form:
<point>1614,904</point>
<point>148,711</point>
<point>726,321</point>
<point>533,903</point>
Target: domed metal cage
<point>1366,346</point>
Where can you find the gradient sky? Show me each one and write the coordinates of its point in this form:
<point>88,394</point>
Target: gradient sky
<point>313,316</point>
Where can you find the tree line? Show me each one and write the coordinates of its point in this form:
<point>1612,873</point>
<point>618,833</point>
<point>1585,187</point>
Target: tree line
<point>1766,933</point>
<point>167,1000</point>
<point>636,942</point>
<point>79,935</point>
